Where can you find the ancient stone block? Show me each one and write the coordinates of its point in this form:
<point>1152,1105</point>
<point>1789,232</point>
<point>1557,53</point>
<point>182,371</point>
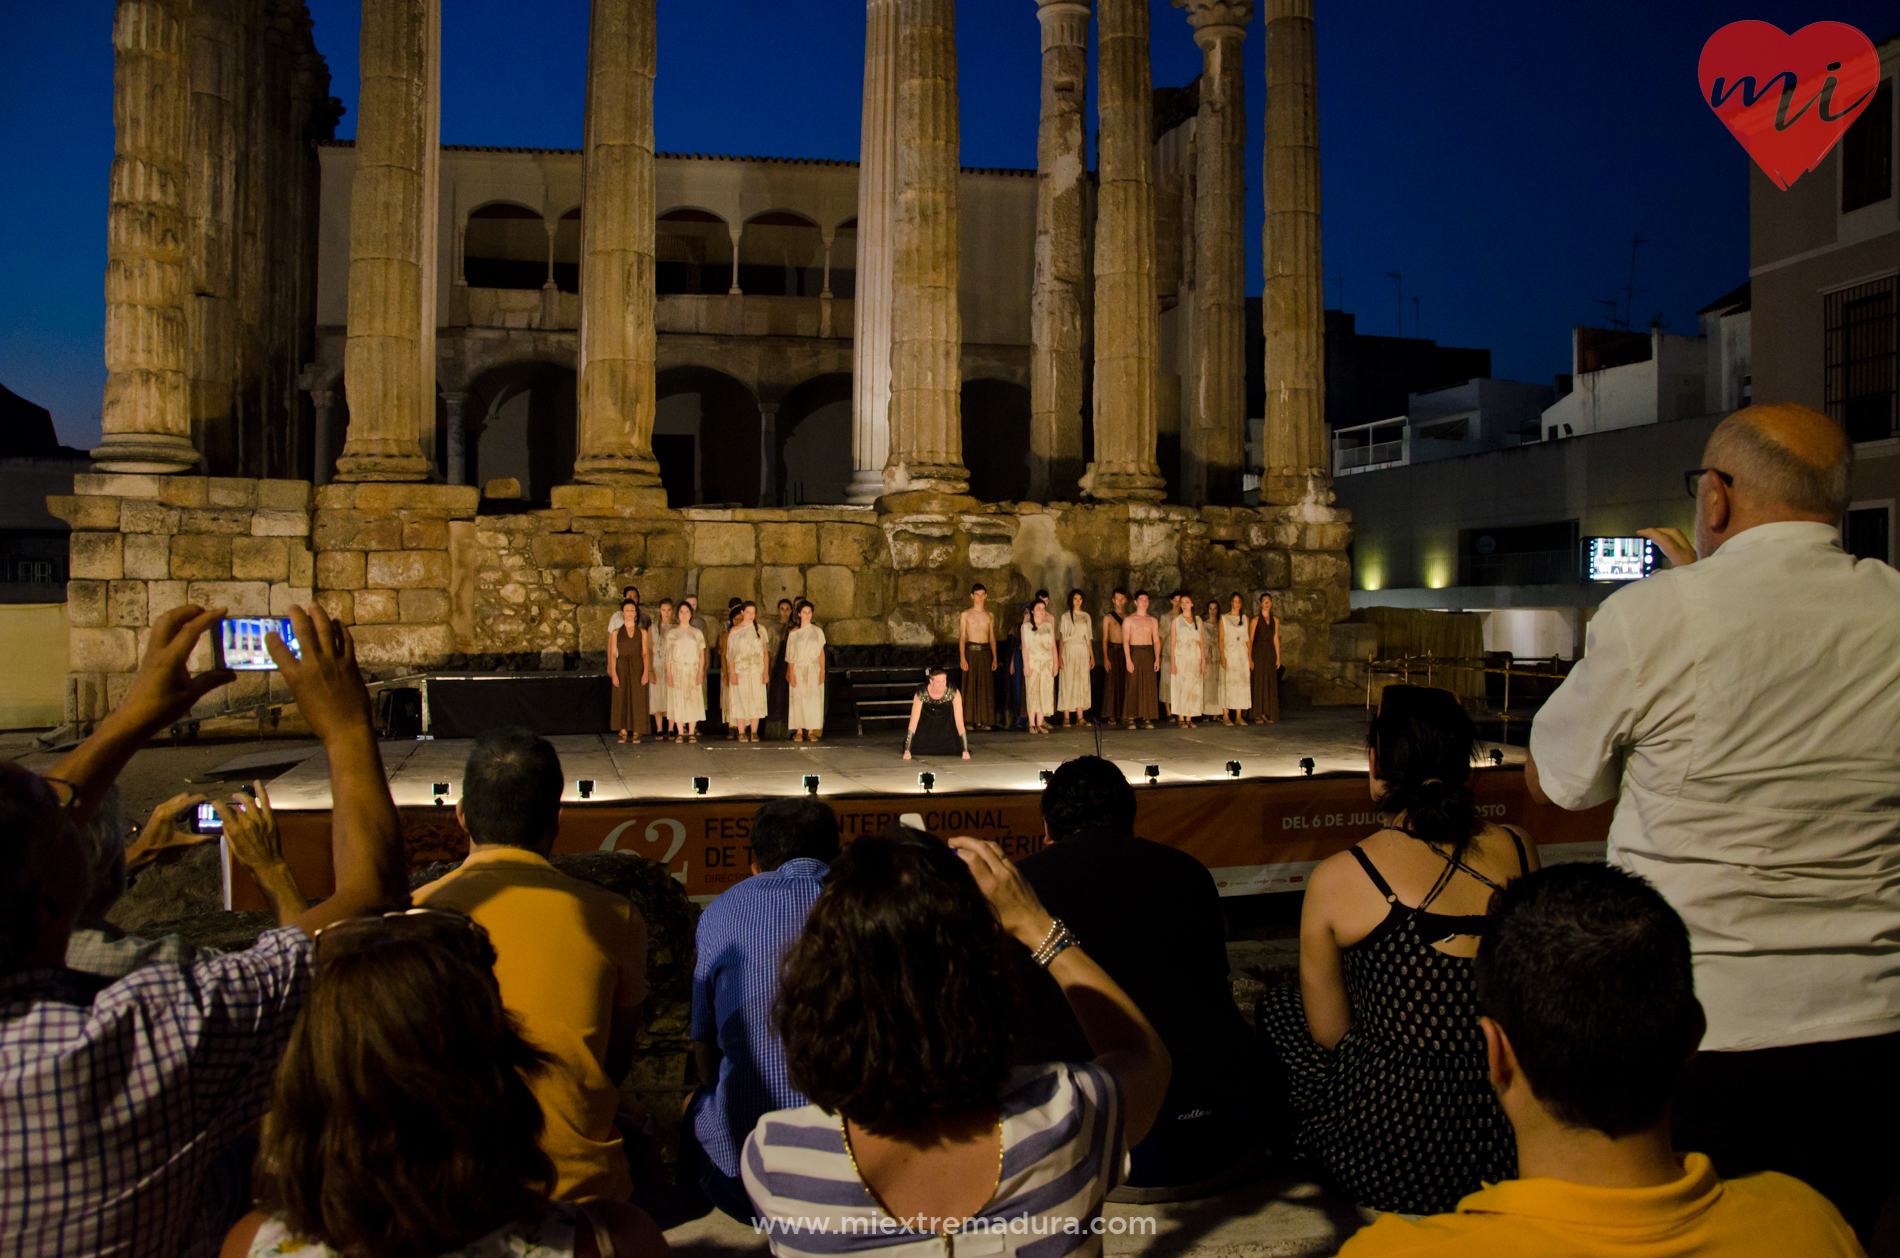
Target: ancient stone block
<point>302,564</point>
<point>991,554</point>
<point>852,545</point>
<point>125,604</point>
<point>911,549</point>
<point>788,543</point>
<point>562,550</point>
<point>229,520</point>
<point>285,595</point>
<point>376,607</point>
<point>658,583</point>
<point>162,596</point>
<point>336,529</point>
<point>340,604</point>
<point>423,606</point>
<point>283,495</point>
<point>403,644</point>
<point>378,532</point>
<point>341,570</point>
<point>231,491</point>
<point>430,534</point>
<point>595,500</point>
<point>82,513</point>
<point>260,558</point>
<point>148,556</point>
<point>280,524</point>
<point>831,588</point>
<point>723,545</point>
<point>571,584</point>
<point>666,550</point>
<point>778,583</point>
<point>102,650</point>
<point>118,485</point>
<point>145,515</point>
<point>857,632</point>
<point>1274,568</point>
<point>97,556</point>
<point>409,569</point>
<point>86,604</point>
<point>118,686</point>
<point>868,588</point>
<point>184,491</point>
<point>1319,568</point>
<point>716,585</point>
<point>921,589</point>
<point>502,487</point>
<point>623,550</point>
<point>238,598</point>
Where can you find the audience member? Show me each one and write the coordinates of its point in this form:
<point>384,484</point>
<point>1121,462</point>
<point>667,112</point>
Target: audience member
<point>898,1016</point>
<point>401,1123</point>
<point>1381,1040</point>
<point>572,956</point>
<point>1590,1016</point>
<point>742,937</point>
<point>1151,916</point>
<point>117,1095</point>
<point>1746,709</point>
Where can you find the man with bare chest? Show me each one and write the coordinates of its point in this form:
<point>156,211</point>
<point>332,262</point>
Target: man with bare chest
<point>1114,666</point>
<point>976,652</point>
<point>1141,635</point>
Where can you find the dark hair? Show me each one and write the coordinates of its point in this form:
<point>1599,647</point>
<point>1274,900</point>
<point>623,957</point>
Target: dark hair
<point>667,602</point>
<point>511,787</point>
<point>1073,595</point>
<point>979,586</point>
<point>630,589</point>
<point>1424,742</point>
<point>32,821</point>
<point>629,603</point>
<point>1587,970</point>
<point>1088,793</point>
<point>786,829</point>
<point>785,602</point>
<point>899,1000</point>
<point>1118,590</point>
<point>400,1123</point>
<point>1143,594</point>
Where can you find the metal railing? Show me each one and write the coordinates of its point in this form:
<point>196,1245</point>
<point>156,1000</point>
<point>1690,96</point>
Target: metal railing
<point>1345,458</point>
<point>1429,664</point>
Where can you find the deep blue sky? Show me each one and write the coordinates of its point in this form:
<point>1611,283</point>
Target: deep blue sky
<point>1498,155</point>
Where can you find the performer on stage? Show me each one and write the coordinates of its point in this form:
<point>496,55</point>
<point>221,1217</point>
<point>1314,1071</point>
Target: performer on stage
<point>1263,637</point>
<point>747,659</point>
<point>1210,652</point>
<point>1114,670</point>
<point>628,594</point>
<point>733,609</point>
<point>1189,666</point>
<point>1042,660</point>
<point>936,720</point>
<point>1236,671</point>
<point>976,641</point>
<point>1077,690</point>
<point>1141,638</point>
<point>805,671</point>
<point>686,675</point>
<point>630,666</point>
<point>778,695</point>
<point>1166,647</point>
<point>657,699</point>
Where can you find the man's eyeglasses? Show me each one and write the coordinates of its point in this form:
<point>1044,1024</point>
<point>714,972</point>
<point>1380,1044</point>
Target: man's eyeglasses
<point>1692,479</point>
<point>457,931</point>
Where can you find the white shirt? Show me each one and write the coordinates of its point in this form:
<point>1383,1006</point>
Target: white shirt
<point>1750,704</point>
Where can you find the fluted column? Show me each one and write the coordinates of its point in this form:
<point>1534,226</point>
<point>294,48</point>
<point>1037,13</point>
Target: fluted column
<point>1215,431</point>
<point>1055,312</point>
<point>389,357</point>
<point>211,201</point>
<point>926,328</point>
<point>1127,309</point>
<point>618,341</point>
<point>146,416</point>
<point>871,307</point>
<point>1292,302</point>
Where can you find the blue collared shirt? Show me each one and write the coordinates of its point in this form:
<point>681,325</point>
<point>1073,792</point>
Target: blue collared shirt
<point>742,936</point>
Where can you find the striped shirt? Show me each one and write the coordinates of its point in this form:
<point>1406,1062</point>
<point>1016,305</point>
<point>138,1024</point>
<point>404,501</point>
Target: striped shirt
<point>1062,1152</point>
<point>742,936</point>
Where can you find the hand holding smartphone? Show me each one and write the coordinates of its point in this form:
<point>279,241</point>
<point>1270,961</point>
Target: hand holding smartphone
<point>239,644</point>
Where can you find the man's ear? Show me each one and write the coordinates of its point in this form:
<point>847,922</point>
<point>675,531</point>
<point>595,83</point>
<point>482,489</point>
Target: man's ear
<point>1498,1055</point>
<point>461,820</point>
<point>1720,505</point>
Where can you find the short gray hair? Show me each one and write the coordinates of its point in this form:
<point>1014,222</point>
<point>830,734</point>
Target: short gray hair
<point>1773,471</point>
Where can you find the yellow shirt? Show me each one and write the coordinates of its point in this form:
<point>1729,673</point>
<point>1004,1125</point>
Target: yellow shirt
<point>568,953</point>
<point>1768,1214</point>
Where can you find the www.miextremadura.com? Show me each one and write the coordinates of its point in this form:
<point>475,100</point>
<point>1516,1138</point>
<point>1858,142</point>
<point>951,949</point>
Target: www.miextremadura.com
<point>1021,1225</point>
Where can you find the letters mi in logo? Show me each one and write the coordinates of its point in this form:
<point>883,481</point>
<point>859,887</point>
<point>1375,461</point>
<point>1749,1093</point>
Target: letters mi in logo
<point>1788,98</point>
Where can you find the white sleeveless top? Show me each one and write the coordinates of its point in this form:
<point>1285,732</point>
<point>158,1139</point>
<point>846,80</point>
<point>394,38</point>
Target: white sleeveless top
<point>552,1237</point>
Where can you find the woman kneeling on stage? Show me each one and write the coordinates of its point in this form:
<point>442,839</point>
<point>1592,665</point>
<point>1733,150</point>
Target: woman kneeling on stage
<point>936,720</point>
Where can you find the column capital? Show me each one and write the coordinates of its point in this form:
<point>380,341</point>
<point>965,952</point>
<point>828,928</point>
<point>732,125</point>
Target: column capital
<point>1217,19</point>
<point>1049,10</point>
<point>1064,23</point>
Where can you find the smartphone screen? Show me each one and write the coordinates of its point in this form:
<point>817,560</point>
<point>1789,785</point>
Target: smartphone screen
<point>1619,558</point>
<point>207,821</point>
<point>241,641</point>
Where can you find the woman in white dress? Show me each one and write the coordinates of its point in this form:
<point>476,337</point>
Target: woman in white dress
<point>686,675</point>
<point>1236,670</point>
<point>805,670</point>
<point>1042,660</point>
<point>656,692</point>
<point>1078,661</point>
<point>748,657</point>
<point>1188,665</point>
<point>1210,652</point>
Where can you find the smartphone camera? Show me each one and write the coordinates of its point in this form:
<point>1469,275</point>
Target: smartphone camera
<point>205,820</point>
<point>239,644</point>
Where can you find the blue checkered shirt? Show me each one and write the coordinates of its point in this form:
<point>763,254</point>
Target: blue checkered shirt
<point>116,1096</point>
<point>742,935</point>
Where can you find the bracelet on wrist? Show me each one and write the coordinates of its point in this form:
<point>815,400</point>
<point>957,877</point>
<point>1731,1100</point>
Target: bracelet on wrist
<point>1058,938</point>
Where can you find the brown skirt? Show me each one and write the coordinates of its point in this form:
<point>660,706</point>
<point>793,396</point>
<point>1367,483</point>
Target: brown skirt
<point>1266,678</point>
<point>630,697</point>
<point>1114,681</point>
<point>979,687</point>
<point>1141,700</point>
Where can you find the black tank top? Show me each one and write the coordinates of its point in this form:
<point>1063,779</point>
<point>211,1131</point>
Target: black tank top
<point>1433,927</point>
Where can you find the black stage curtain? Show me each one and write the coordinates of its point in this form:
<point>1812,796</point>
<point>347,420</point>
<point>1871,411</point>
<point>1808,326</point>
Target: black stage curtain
<point>558,703</point>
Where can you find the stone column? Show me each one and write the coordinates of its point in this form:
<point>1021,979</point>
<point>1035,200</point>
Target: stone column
<point>389,358</point>
<point>146,415</point>
<point>323,435</point>
<point>1055,312</point>
<point>1127,309</point>
<point>211,205</point>
<point>768,454</point>
<point>871,307</point>
<point>824,293</point>
<point>735,230</point>
<point>617,338</point>
<point>1292,298</point>
<point>926,327</point>
<point>550,292</point>
<point>454,407</point>
<point>1215,429</point>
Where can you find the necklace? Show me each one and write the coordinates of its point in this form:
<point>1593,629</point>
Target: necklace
<point>844,1134</point>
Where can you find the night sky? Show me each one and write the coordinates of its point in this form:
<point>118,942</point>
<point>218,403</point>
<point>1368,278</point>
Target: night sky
<point>1499,156</point>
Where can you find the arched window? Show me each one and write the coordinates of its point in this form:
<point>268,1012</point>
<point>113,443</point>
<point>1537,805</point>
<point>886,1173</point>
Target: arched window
<point>567,251</point>
<point>505,246</point>
<point>844,260</point>
<point>781,254</point>
<point>692,253</point>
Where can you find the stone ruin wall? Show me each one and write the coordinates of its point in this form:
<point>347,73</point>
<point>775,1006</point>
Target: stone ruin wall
<point>427,583</point>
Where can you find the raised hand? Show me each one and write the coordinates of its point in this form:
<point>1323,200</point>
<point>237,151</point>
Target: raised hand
<point>165,689</point>
<point>1009,893</point>
<point>329,690</point>
<point>1675,546</point>
<point>162,832</point>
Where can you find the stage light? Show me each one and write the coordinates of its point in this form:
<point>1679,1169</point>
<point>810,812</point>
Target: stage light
<point>586,787</point>
<point>1045,776</point>
<point>811,784</point>
<point>1233,768</point>
<point>926,779</point>
<point>1307,766</point>
<point>1497,758</point>
<point>1152,773</point>
<point>440,789</point>
<point>701,785</point>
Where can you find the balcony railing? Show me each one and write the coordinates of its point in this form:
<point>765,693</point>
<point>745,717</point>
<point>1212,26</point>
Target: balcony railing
<point>1352,458</point>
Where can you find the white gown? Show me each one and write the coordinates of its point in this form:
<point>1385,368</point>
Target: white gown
<point>1211,679</point>
<point>803,650</point>
<point>1187,669</point>
<point>1078,634</point>
<point>1236,678</point>
<point>685,686</point>
<point>1039,658</point>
